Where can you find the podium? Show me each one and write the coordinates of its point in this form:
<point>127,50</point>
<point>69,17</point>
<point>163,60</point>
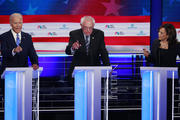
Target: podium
<point>18,92</point>
<point>88,92</point>
<point>154,91</point>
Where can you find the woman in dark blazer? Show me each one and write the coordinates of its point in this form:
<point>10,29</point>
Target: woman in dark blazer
<point>163,54</point>
<point>165,49</point>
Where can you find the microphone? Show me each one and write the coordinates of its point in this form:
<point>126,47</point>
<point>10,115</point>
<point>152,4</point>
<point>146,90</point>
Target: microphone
<point>159,54</point>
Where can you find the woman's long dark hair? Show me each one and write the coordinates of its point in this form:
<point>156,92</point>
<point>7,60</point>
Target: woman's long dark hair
<point>171,32</point>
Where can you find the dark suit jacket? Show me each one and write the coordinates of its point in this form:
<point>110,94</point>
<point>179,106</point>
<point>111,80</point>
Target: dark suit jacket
<point>19,59</point>
<point>97,49</point>
<point>154,57</point>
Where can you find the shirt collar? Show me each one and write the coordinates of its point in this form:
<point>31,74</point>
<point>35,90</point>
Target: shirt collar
<point>15,34</point>
<point>85,36</point>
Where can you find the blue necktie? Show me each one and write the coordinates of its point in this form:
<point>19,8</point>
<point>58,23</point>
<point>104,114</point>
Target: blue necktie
<point>87,44</point>
<point>17,40</point>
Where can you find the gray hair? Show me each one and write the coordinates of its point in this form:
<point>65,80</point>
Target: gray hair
<point>15,15</point>
<point>87,18</point>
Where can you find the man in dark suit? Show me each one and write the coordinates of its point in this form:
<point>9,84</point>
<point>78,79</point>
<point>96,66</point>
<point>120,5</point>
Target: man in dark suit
<point>87,45</point>
<point>17,46</point>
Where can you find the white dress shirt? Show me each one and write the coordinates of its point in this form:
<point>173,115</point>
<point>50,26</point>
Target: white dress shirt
<point>15,36</point>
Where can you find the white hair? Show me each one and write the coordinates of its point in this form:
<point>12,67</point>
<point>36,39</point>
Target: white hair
<point>15,15</point>
<point>87,18</point>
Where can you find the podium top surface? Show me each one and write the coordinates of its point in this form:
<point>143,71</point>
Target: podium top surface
<point>159,68</point>
<point>93,68</point>
<point>103,69</point>
<point>20,69</point>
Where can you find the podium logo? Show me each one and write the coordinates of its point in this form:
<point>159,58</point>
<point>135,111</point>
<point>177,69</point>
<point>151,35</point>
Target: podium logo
<point>132,26</point>
<point>52,33</point>
<point>141,33</point>
<point>119,33</point>
<point>109,26</point>
<point>41,27</point>
<point>64,26</point>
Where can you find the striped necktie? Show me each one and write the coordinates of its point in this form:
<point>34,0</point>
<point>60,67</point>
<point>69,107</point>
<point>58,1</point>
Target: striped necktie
<point>17,40</point>
<point>87,44</point>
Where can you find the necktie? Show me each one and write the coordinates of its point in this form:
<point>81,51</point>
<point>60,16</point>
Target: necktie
<point>87,44</point>
<point>17,40</point>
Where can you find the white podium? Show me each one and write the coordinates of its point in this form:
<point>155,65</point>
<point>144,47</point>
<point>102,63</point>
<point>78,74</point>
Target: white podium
<point>154,92</point>
<point>88,92</point>
<point>18,92</point>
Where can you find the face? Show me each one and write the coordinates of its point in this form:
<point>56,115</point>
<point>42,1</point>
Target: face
<point>162,34</point>
<point>87,27</point>
<point>16,24</point>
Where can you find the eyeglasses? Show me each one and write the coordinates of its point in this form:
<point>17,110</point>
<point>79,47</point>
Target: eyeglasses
<point>87,28</point>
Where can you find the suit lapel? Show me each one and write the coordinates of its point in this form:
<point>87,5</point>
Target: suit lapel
<point>11,39</point>
<point>92,38</point>
<point>82,37</point>
<point>22,38</point>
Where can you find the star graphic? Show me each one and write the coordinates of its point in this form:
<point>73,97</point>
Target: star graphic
<point>2,1</point>
<point>171,2</point>
<point>30,11</point>
<point>112,8</point>
<point>145,12</point>
<point>164,18</point>
<point>66,1</point>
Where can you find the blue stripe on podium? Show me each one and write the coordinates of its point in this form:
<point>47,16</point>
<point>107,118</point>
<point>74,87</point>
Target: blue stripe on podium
<point>10,96</point>
<point>80,96</point>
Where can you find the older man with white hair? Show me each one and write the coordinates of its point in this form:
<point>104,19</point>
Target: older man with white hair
<point>87,45</point>
<point>17,46</point>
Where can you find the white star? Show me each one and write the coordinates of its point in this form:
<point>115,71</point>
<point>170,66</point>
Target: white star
<point>30,11</point>
<point>66,1</point>
<point>112,8</point>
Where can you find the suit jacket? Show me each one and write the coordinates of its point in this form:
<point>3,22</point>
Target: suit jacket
<point>97,50</point>
<point>172,53</point>
<point>19,59</point>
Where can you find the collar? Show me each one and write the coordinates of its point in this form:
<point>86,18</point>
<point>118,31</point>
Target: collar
<point>15,34</point>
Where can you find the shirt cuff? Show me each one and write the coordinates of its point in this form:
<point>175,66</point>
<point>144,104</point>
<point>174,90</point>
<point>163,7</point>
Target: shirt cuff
<point>72,51</point>
<point>13,53</point>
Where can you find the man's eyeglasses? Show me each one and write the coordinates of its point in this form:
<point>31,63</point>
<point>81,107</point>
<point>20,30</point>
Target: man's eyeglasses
<point>87,28</point>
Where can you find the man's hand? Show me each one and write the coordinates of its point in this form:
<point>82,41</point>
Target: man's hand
<point>76,45</point>
<point>35,66</point>
<point>17,49</point>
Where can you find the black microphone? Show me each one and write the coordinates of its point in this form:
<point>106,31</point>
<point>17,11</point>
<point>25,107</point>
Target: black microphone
<point>159,57</point>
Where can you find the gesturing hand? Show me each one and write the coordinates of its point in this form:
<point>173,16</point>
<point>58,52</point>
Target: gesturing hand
<point>18,49</point>
<point>76,45</point>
